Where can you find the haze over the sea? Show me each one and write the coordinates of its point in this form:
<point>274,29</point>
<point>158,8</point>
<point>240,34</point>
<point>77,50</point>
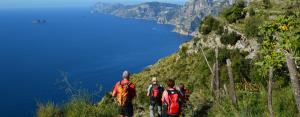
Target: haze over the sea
<point>70,3</point>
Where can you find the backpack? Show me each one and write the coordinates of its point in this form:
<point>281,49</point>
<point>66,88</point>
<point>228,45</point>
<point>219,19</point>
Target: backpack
<point>155,91</point>
<point>173,106</point>
<point>123,93</point>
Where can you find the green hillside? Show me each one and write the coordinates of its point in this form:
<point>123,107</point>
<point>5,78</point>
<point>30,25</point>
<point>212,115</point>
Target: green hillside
<point>267,30</point>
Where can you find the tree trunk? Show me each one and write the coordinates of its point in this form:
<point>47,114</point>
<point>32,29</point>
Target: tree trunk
<point>294,78</point>
<point>217,74</point>
<point>213,81</point>
<point>232,86</point>
<point>211,70</point>
<point>270,91</point>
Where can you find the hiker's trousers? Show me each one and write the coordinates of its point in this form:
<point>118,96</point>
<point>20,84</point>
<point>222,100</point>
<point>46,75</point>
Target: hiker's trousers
<point>152,110</point>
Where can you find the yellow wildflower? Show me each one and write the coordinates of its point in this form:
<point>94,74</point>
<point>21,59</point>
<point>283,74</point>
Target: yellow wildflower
<point>283,27</point>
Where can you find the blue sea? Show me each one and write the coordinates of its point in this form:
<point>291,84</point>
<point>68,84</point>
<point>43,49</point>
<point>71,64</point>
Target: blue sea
<point>93,49</point>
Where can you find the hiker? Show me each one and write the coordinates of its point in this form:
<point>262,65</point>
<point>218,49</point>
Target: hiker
<point>154,93</point>
<point>125,91</point>
<point>185,97</point>
<point>170,100</point>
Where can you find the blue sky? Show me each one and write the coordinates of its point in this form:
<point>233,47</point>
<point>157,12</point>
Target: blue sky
<point>67,3</point>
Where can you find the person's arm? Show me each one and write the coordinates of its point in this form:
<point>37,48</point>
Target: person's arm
<point>181,96</point>
<point>164,97</point>
<point>133,90</point>
<point>162,89</point>
<point>114,92</point>
<point>149,90</point>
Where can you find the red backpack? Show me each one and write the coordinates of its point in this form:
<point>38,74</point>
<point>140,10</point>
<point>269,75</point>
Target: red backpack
<point>173,106</point>
<point>155,91</point>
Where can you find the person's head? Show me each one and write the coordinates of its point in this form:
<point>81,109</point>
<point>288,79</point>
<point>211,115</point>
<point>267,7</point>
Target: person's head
<point>171,83</point>
<point>126,75</point>
<point>181,86</point>
<point>154,80</point>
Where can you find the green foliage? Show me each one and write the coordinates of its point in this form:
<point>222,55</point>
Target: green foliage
<point>251,26</point>
<point>280,35</point>
<point>251,11</point>
<point>230,38</point>
<point>209,24</point>
<point>235,12</point>
<point>48,110</point>
<point>223,108</point>
<point>266,3</point>
<point>284,103</point>
<point>253,104</point>
<point>183,50</point>
<point>80,106</point>
<point>77,107</point>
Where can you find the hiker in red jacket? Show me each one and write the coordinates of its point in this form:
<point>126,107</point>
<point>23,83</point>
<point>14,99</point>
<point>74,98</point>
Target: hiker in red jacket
<point>170,100</point>
<point>125,91</point>
<point>154,93</point>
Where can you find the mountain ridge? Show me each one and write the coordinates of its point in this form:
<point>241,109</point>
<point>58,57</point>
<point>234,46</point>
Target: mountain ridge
<point>186,18</point>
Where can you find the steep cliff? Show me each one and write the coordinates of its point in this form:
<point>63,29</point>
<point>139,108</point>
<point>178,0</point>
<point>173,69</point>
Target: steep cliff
<point>161,12</point>
<point>186,18</point>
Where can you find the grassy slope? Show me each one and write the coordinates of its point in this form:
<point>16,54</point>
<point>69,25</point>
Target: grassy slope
<point>188,66</point>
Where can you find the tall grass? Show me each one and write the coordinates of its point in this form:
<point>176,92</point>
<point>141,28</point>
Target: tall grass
<point>80,107</point>
<point>80,104</point>
<point>48,110</point>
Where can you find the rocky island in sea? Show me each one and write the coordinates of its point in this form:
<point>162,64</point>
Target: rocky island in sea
<point>39,21</point>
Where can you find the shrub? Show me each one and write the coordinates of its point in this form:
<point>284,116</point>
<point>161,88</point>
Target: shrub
<point>230,38</point>
<point>205,29</point>
<point>209,24</point>
<point>183,50</point>
<point>235,12</point>
<point>251,26</point>
<point>251,11</point>
<point>266,3</point>
<point>220,30</point>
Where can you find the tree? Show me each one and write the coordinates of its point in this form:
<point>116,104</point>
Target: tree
<point>232,92</point>
<point>217,74</point>
<point>281,44</point>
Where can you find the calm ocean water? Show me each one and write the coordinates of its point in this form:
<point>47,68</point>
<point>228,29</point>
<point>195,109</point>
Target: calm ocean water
<point>92,48</point>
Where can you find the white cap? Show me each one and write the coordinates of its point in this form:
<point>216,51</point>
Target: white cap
<point>154,79</point>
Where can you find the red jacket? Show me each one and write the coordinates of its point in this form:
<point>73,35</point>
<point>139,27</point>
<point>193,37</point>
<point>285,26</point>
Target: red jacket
<point>131,88</point>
